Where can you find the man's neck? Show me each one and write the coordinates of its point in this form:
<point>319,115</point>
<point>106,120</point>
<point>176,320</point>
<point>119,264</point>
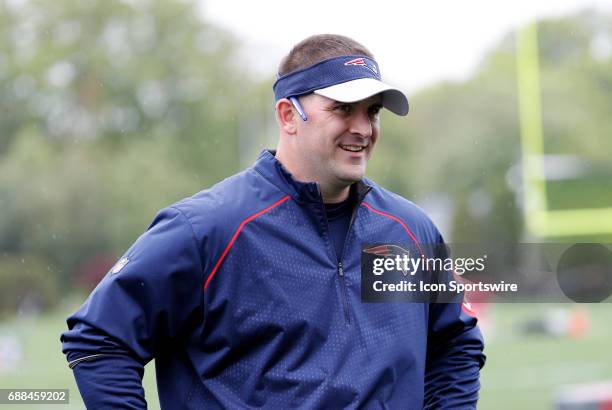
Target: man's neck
<point>333,196</point>
<point>331,193</point>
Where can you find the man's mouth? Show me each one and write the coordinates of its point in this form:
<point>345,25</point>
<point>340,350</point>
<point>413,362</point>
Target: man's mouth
<point>353,148</point>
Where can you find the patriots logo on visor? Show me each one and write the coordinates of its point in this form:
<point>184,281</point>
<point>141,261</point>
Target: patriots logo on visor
<point>361,62</point>
<point>390,251</point>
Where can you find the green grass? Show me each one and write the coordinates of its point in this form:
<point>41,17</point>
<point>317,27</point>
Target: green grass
<point>521,372</point>
<point>44,366</point>
<point>527,372</point>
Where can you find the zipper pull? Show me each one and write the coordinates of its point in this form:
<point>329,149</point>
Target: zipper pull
<point>340,270</point>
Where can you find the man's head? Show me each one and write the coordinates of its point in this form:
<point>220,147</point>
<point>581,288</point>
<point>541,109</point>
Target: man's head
<point>328,96</point>
<point>318,48</point>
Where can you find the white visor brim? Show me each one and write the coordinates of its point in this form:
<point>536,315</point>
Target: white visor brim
<point>356,90</point>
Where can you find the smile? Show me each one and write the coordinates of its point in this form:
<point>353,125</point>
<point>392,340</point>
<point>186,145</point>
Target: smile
<point>353,148</point>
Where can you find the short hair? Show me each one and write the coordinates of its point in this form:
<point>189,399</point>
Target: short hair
<point>318,48</point>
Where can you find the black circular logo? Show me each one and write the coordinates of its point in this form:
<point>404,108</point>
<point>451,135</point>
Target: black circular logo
<point>584,272</point>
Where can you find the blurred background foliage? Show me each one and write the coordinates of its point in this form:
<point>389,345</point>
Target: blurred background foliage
<point>111,110</point>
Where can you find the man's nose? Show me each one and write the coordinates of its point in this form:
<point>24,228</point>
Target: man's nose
<point>361,124</point>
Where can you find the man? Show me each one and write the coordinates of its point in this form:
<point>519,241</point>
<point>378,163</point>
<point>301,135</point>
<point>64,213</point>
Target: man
<point>248,294</point>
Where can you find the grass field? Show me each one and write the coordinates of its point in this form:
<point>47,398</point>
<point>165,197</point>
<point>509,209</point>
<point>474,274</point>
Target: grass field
<point>521,371</point>
<point>525,372</point>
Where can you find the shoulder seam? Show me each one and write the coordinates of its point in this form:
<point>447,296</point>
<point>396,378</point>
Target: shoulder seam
<point>235,236</point>
<point>193,236</point>
<point>399,220</point>
<point>268,181</point>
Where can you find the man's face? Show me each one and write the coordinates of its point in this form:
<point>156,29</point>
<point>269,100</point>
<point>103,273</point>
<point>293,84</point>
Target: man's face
<point>336,142</point>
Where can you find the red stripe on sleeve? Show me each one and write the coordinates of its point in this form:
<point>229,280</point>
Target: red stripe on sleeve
<point>400,222</point>
<point>231,242</point>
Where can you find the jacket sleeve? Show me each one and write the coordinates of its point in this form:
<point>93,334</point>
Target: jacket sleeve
<point>147,300</point>
<point>454,356</point>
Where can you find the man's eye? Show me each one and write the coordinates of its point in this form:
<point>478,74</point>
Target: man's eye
<point>374,111</point>
<point>345,108</point>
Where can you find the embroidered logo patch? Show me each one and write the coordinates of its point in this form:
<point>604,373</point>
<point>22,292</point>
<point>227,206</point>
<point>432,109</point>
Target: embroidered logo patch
<point>390,251</point>
<point>363,63</point>
<point>119,265</point>
<point>356,61</point>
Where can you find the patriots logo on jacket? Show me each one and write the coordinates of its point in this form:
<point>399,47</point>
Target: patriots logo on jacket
<point>390,251</point>
<point>361,62</point>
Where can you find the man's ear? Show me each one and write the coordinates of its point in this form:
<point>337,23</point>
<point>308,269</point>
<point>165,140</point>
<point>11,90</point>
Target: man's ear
<point>286,116</point>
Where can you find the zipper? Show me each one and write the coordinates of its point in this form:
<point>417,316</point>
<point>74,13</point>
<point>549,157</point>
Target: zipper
<point>344,293</point>
<point>340,266</point>
<point>343,289</point>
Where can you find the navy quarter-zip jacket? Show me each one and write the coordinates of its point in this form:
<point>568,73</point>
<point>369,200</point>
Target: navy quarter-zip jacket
<point>239,296</point>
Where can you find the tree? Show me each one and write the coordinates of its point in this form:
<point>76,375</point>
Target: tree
<point>111,110</point>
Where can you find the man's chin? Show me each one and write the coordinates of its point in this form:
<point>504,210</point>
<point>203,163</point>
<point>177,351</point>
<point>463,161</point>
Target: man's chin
<point>351,177</point>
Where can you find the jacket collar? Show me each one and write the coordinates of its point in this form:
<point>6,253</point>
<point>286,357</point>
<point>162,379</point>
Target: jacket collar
<point>271,169</point>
